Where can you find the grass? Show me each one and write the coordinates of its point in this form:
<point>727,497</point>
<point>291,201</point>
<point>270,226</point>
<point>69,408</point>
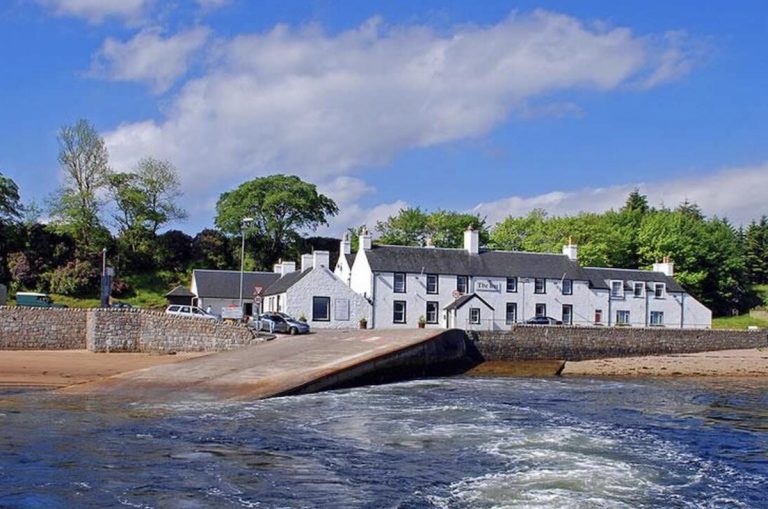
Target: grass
<point>762,291</point>
<point>738,322</point>
<point>148,292</point>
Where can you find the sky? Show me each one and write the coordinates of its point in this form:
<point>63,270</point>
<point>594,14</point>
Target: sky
<point>492,107</point>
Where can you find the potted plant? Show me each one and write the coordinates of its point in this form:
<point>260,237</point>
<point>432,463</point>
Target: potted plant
<point>302,318</point>
<point>363,323</point>
<point>422,322</point>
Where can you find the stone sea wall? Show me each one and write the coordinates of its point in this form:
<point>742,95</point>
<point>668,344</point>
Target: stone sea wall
<point>41,329</point>
<point>583,343</point>
<point>112,330</point>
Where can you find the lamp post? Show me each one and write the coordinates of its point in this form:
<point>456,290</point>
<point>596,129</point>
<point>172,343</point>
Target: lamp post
<point>246,221</point>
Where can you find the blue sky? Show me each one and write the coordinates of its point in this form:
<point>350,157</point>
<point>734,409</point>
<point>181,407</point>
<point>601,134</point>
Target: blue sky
<point>497,107</point>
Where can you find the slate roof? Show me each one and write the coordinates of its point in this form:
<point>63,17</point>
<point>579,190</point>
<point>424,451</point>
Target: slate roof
<point>285,282</point>
<point>225,284</point>
<point>463,300</point>
<point>180,291</point>
<point>350,258</point>
<point>599,278</point>
<point>435,260</point>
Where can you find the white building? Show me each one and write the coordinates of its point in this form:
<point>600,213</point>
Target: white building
<point>316,294</point>
<point>221,288</point>
<point>473,288</point>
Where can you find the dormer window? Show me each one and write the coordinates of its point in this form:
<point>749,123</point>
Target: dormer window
<point>658,290</point>
<point>637,289</point>
<point>617,289</point>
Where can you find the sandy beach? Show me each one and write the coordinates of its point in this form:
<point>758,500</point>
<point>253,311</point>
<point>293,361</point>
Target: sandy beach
<point>49,368</point>
<point>725,363</point>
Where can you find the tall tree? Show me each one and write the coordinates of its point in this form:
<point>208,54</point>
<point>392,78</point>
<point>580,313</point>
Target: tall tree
<point>756,251</point>
<point>282,206</point>
<point>83,157</point>
<point>10,212</point>
<point>413,226</point>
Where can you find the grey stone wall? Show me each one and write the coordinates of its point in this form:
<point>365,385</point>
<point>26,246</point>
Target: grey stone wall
<point>583,343</point>
<point>113,330</point>
<point>42,329</point>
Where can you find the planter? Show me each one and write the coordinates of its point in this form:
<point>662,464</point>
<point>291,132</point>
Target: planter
<point>363,324</point>
<point>422,325</point>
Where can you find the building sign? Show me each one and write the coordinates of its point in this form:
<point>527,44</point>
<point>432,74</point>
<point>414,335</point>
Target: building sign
<point>232,312</point>
<point>341,310</point>
<point>487,286</point>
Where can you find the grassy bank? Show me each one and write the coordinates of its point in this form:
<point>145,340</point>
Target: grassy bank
<point>738,322</point>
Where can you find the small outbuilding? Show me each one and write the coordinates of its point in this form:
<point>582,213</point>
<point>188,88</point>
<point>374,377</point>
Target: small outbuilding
<point>180,296</point>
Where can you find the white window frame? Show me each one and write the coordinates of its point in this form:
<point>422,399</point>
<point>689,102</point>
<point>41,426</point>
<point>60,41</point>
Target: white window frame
<point>570,315</point>
<point>569,286</point>
<point>436,279</point>
<point>394,282</point>
<point>635,286</point>
<point>436,311</point>
<point>536,309</point>
<point>474,316</point>
<point>507,313</point>
<point>543,282</point>
<point>659,322</point>
<point>404,311</point>
<point>622,313</point>
<point>658,290</point>
<point>466,284</point>
<point>512,288</point>
<point>620,293</point>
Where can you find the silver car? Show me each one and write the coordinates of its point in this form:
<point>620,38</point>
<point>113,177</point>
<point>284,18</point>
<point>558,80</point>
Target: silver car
<point>280,322</point>
<point>190,311</point>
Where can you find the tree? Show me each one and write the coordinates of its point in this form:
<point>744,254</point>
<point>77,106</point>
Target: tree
<point>756,251</point>
<point>212,250</point>
<point>10,212</point>
<point>281,207</point>
<point>83,157</point>
<point>444,228</point>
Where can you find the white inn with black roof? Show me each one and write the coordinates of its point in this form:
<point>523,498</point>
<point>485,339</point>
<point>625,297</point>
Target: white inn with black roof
<point>474,288</point>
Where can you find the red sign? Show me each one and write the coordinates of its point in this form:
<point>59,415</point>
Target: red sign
<point>257,290</point>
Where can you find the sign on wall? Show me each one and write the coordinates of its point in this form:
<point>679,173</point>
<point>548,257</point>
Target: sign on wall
<point>341,310</point>
<point>487,286</point>
<point>232,312</point>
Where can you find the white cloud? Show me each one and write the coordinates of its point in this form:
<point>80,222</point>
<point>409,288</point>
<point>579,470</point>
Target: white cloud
<point>299,100</point>
<point>738,193</point>
<point>96,11</point>
<point>209,5</point>
<point>149,57</point>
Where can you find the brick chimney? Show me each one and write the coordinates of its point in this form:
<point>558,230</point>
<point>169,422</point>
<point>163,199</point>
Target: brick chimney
<point>666,266</point>
<point>365,239</point>
<point>571,250</point>
<point>346,244</point>
<point>307,262</point>
<point>321,259</point>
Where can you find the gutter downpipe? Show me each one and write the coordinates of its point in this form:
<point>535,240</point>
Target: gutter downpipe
<point>373,301</point>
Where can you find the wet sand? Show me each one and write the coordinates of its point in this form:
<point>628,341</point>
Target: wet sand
<point>53,369</point>
<point>725,363</point>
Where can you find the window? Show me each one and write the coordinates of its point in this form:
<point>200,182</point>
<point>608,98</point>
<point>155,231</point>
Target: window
<point>622,317</point>
<point>541,310</point>
<point>432,287</point>
<point>398,311</point>
<point>321,309</point>
<point>511,284</point>
<point>540,285</point>
<point>511,312</point>
<point>399,282</point>
<point>474,315</point>
<point>657,318</point>
<point>658,290</point>
<point>598,315</point>
<point>567,314</point>
<point>462,282</point>
<point>567,287</point>
<point>617,289</point>
<point>432,312</point>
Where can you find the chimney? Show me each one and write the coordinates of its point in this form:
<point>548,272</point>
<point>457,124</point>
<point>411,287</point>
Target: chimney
<point>321,259</point>
<point>278,268</point>
<point>289,267</point>
<point>346,244</point>
<point>365,239</point>
<point>666,267</point>
<point>306,262</point>
<point>571,250</point>
<point>472,240</point>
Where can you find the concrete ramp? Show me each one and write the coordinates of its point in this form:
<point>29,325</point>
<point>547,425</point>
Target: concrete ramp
<point>294,365</point>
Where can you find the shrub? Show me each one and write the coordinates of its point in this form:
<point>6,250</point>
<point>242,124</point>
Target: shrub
<point>21,271</point>
<point>75,278</point>
<point>120,288</point>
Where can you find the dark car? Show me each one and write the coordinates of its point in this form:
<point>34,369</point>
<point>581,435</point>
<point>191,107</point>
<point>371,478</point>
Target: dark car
<point>543,320</point>
<point>282,323</point>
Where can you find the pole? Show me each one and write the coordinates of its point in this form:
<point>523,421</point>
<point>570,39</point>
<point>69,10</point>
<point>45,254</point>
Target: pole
<point>242,264</point>
<point>104,291</point>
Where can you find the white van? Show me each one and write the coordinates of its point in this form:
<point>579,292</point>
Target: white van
<point>190,311</point>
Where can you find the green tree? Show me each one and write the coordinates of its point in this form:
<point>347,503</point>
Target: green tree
<point>444,228</point>
<point>10,212</point>
<point>75,207</point>
<point>756,251</point>
<point>282,206</point>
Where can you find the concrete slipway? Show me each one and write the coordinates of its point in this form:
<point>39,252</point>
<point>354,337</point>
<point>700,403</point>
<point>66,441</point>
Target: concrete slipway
<point>294,365</point>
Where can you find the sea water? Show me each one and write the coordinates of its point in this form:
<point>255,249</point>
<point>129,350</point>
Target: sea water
<point>455,442</point>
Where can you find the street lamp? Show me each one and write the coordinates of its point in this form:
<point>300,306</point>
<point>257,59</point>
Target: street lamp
<point>246,221</point>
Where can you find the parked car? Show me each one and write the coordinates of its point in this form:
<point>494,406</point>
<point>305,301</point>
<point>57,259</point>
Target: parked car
<point>190,311</point>
<point>543,320</point>
<point>36,300</point>
<point>121,305</point>
<point>280,322</point>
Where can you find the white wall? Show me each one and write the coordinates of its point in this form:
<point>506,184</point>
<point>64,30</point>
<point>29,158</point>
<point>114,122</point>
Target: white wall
<point>321,282</point>
<point>361,280</point>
